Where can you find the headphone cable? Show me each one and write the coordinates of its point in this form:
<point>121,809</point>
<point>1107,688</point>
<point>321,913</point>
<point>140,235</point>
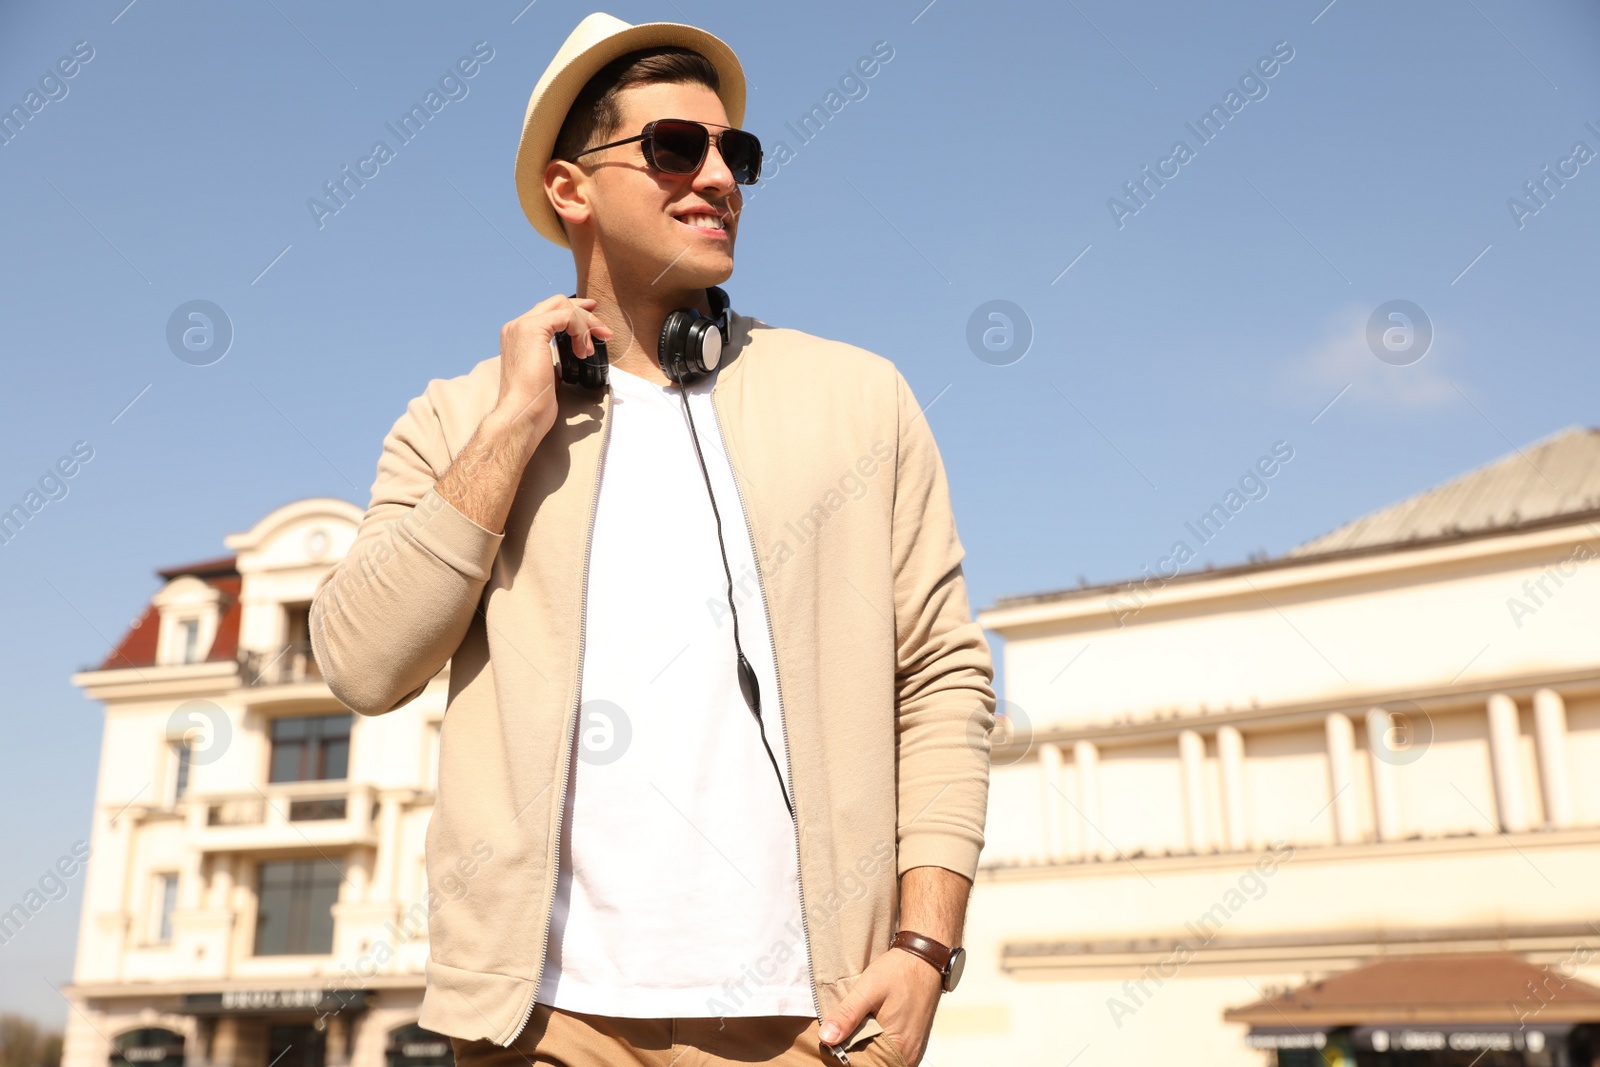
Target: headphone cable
<point>748,685</point>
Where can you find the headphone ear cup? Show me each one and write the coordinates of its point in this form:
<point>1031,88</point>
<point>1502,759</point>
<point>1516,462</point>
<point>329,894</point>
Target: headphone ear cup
<point>690,345</point>
<point>593,372</point>
<point>587,373</point>
<point>707,344</point>
<point>670,345</point>
<point>566,361</point>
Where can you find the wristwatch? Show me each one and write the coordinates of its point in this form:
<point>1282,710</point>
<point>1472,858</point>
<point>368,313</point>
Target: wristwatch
<point>947,961</point>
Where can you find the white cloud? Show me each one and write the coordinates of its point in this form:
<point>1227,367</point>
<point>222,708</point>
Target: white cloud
<point>1343,358</point>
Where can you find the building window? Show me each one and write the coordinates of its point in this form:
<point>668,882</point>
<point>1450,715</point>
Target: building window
<point>296,662</point>
<point>294,911</point>
<point>182,761</point>
<point>166,902</point>
<point>189,640</point>
<point>310,748</point>
<point>297,625</point>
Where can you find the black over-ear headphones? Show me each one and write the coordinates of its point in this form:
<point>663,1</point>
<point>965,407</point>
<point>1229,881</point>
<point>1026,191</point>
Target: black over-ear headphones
<point>690,347</point>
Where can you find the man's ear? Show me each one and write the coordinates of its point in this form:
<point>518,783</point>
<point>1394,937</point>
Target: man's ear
<point>567,186</point>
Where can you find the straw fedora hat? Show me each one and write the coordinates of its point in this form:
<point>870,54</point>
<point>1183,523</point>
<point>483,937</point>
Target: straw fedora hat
<point>598,40</point>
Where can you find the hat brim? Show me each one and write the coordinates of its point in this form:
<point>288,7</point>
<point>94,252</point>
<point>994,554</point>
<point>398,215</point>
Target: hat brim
<point>552,99</point>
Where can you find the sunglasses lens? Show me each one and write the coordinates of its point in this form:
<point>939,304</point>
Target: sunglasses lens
<point>742,152</point>
<point>678,147</point>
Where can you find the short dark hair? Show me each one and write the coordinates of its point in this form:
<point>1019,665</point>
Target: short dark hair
<point>595,115</point>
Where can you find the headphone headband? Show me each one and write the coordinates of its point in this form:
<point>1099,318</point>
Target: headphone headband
<point>719,306</point>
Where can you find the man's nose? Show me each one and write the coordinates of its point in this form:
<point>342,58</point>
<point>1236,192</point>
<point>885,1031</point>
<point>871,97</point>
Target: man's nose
<point>714,173</point>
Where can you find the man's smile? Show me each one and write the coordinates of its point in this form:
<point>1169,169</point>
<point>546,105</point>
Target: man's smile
<point>707,220</point>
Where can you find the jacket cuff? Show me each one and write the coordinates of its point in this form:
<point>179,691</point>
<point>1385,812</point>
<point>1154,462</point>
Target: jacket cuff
<point>439,527</point>
<point>950,851</point>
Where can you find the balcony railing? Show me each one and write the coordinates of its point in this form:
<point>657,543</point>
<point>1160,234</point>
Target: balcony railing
<point>284,814</point>
<point>258,810</point>
<point>281,666</point>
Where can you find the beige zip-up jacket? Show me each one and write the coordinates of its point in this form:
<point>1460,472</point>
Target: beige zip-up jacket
<point>884,678</point>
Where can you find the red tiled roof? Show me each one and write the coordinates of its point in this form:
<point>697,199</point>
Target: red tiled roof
<point>138,645</point>
<point>1431,989</point>
<point>222,566</point>
<point>226,643</point>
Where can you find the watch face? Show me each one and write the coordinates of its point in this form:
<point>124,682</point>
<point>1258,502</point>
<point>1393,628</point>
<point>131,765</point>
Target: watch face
<point>958,960</point>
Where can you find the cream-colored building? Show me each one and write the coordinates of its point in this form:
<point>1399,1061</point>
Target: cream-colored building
<point>1224,783</point>
<point>255,891</point>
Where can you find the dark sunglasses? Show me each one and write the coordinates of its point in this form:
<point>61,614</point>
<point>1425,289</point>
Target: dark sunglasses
<point>678,146</point>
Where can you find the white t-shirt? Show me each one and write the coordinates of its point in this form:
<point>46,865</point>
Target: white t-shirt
<point>678,893</point>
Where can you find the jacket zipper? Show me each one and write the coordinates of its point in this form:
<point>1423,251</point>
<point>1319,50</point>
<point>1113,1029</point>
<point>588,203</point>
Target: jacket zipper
<point>788,759</point>
<point>577,699</point>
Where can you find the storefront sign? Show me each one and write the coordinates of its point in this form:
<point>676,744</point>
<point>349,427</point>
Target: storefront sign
<point>1273,1037</point>
<point>1414,1037</point>
<point>275,1001</point>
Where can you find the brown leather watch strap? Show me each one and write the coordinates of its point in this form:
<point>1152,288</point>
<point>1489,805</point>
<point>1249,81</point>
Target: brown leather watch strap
<point>937,955</point>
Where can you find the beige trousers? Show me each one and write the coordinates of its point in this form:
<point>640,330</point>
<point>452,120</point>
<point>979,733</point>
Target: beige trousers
<point>572,1039</point>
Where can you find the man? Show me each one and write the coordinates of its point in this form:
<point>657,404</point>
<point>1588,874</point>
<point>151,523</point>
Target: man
<point>717,707</point>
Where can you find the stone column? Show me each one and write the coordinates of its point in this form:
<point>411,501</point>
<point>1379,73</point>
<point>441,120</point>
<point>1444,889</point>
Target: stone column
<point>1192,763</point>
<point>223,874</point>
<point>1505,734</point>
<point>1550,729</point>
<point>1341,736</point>
<point>191,875</point>
<point>102,948</point>
<point>357,866</point>
<point>388,858</point>
<point>1086,758</point>
<point>336,1041</point>
<point>1050,795</point>
<point>224,1045</point>
<point>1230,755</point>
<point>1385,791</point>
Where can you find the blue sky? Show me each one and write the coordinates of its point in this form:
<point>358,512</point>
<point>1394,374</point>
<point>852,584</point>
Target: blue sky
<point>1170,346</point>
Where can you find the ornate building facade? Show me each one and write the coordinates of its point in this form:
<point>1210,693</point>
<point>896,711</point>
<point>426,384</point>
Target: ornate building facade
<point>255,894</point>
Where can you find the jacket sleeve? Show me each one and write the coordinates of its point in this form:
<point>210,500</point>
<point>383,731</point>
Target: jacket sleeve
<point>393,611</point>
<point>944,668</point>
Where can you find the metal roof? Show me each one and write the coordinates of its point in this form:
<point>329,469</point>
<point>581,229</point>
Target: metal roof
<point>1559,475</point>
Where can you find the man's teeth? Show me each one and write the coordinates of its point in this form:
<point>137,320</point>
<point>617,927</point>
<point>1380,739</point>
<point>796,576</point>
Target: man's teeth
<point>705,222</point>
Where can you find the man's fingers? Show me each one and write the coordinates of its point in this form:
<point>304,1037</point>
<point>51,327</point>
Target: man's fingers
<point>866,997</point>
<point>573,316</point>
<point>581,326</point>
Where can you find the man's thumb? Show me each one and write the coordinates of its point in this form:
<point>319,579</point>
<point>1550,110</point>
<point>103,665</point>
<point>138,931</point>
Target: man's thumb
<point>845,1018</point>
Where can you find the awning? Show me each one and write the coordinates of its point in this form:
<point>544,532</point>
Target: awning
<point>1438,995</point>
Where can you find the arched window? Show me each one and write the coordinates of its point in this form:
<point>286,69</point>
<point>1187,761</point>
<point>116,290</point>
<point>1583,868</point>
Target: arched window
<point>152,1046</point>
<point>412,1046</point>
